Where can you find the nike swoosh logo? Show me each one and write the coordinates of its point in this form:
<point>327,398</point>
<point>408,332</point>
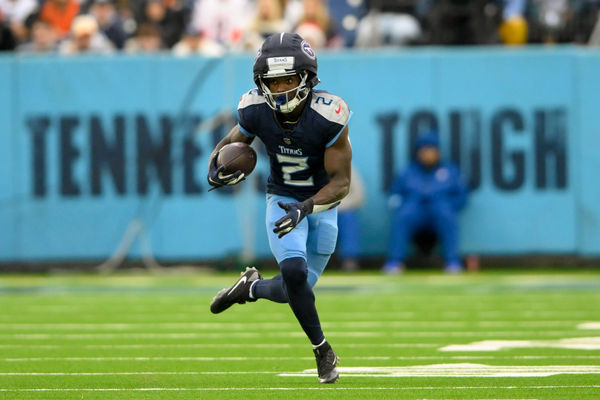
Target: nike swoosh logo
<point>242,281</point>
<point>338,109</point>
<point>298,217</point>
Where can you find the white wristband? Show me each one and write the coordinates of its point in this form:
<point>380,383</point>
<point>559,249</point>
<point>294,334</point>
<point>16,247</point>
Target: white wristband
<point>324,207</point>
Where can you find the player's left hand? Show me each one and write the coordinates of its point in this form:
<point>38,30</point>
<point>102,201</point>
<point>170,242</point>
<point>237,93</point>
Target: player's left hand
<point>295,213</point>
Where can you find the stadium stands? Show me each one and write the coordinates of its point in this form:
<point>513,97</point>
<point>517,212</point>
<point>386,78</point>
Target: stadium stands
<point>384,22</point>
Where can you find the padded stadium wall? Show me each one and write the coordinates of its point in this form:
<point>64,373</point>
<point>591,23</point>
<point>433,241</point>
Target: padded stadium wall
<point>89,144</point>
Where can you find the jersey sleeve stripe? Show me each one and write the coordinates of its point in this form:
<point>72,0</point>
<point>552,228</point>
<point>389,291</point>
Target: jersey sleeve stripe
<point>245,131</point>
<point>332,141</point>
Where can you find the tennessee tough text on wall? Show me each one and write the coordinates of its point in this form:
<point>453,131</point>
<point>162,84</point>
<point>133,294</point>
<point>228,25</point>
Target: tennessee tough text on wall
<point>545,142</point>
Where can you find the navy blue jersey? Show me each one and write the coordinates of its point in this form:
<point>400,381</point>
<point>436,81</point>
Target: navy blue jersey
<point>296,155</point>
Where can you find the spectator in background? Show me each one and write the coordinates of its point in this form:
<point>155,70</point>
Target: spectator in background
<point>130,13</point>
<point>426,197</point>
<point>587,16</point>
<point>513,32</point>
<point>267,21</point>
<point>14,13</point>
<point>60,14</point>
<point>513,8</point>
<point>513,29</point>
<point>594,39</point>
<point>85,38</point>
<point>546,20</point>
<point>43,38</point>
<point>388,23</point>
<point>551,21</point>
<point>7,40</point>
<point>460,22</point>
<point>348,244</point>
<point>171,18</point>
<point>109,21</point>
<point>317,27</point>
<point>313,34</point>
<point>194,42</point>
<point>223,21</point>
<point>146,40</point>
<point>561,21</point>
<point>292,12</point>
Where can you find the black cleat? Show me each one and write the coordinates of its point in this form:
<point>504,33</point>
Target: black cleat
<point>238,293</point>
<point>327,360</point>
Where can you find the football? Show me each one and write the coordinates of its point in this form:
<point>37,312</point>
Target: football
<point>237,156</point>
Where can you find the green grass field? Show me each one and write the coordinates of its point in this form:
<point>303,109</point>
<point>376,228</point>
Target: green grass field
<point>423,335</point>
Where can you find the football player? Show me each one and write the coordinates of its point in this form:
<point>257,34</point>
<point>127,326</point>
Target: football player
<point>305,133</point>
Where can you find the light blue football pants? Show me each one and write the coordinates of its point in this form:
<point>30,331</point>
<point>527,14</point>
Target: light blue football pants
<point>313,238</point>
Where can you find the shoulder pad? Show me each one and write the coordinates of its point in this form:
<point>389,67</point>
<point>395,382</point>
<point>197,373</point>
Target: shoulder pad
<point>331,107</point>
<point>251,98</point>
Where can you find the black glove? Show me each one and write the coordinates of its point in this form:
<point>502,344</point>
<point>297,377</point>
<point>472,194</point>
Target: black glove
<point>216,178</point>
<point>295,213</point>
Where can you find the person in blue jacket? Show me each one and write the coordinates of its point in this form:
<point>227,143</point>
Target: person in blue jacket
<point>427,196</point>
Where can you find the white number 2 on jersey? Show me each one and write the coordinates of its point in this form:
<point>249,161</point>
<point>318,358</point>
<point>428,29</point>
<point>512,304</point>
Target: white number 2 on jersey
<point>291,165</point>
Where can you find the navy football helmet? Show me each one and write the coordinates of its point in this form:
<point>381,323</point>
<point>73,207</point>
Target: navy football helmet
<point>285,54</point>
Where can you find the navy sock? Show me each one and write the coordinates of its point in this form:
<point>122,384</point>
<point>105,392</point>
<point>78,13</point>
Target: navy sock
<point>301,297</point>
<point>271,289</point>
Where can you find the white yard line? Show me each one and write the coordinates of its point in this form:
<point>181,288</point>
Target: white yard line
<point>138,373</point>
<point>577,343</point>
<point>192,315</point>
<point>286,325</point>
<point>141,325</point>
<point>589,325</point>
<point>211,345</point>
<point>459,370</point>
<point>38,359</point>
<point>261,333</point>
<point>243,358</point>
<point>331,388</point>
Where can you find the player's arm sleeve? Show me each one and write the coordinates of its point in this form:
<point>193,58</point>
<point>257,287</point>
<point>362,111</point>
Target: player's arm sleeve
<point>246,118</point>
<point>340,119</point>
<point>245,131</point>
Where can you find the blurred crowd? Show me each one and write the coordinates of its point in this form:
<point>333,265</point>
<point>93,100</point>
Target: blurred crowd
<point>213,27</point>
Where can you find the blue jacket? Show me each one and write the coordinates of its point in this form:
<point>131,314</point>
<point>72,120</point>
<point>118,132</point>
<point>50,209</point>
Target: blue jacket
<point>442,184</point>
<point>420,185</point>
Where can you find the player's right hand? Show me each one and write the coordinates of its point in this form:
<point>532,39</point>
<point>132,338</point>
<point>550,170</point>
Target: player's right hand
<point>216,177</point>
<point>295,212</point>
